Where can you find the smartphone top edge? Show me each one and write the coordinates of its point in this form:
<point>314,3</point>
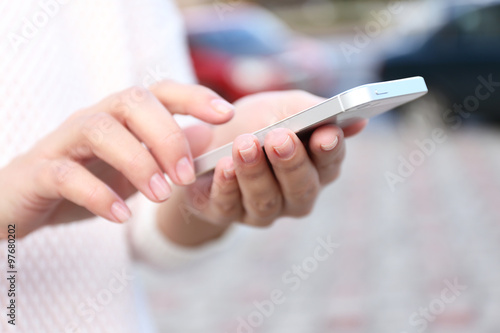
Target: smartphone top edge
<point>415,83</point>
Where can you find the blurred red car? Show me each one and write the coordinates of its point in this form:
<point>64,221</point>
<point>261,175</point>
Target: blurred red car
<point>247,50</point>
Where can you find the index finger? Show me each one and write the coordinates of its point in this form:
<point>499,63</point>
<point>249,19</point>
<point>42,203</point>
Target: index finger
<point>194,100</point>
<point>141,112</point>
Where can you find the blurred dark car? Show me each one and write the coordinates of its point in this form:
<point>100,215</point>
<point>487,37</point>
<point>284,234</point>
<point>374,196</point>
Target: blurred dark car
<point>452,60</point>
<point>246,49</point>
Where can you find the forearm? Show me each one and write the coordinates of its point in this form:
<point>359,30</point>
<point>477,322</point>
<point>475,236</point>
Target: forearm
<point>181,225</point>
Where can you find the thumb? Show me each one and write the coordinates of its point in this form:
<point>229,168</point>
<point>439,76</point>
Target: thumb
<point>199,138</point>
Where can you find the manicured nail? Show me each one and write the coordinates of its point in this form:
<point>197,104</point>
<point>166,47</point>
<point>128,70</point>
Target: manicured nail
<point>330,146</point>
<point>160,187</point>
<point>229,172</point>
<point>185,171</point>
<point>222,106</point>
<point>284,147</point>
<point>120,211</point>
<point>248,151</point>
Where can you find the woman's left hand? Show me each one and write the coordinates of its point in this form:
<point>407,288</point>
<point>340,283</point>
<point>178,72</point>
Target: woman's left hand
<point>251,189</point>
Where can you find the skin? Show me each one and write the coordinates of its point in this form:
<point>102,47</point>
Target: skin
<point>96,159</point>
<point>247,188</point>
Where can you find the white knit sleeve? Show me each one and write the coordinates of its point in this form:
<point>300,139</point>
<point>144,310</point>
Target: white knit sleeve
<point>149,245</point>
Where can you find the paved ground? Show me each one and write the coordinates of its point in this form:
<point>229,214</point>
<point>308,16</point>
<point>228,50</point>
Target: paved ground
<point>398,251</point>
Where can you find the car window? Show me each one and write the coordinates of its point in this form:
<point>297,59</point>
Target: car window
<point>237,41</point>
<point>478,23</point>
<point>481,23</point>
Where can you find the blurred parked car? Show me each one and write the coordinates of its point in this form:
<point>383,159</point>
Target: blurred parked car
<point>452,60</point>
<point>243,49</point>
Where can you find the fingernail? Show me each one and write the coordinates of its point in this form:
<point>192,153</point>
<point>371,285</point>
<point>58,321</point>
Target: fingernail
<point>160,187</point>
<point>248,151</point>
<point>222,106</point>
<point>285,147</point>
<point>229,174</point>
<point>228,169</point>
<point>330,146</point>
<point>185,171</point>
<point>120,211</point>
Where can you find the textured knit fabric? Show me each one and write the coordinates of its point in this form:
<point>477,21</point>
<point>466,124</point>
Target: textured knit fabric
<point>57,57</point>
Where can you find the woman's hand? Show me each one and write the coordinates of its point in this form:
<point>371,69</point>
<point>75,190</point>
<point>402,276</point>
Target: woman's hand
<point>101,155</point>
<point>249,188</point>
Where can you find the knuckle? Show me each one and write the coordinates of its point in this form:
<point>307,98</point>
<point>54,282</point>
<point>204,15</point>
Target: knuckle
<point>62,171</point>
<point>96,126</point>
<point>266,207</point>
<point>93,196</point>
<point>81,151</point>
<point>305,193</point>
<point>227,209</point>
<point>96,119</point>
<point>135,93</point>
<point>327,167</point>
<point>129,99</point>
<point>172,138</point>
<point>232,193</point>
<point>227,192</point>
<point>302,211</point>
<point>137,162</point>
<point>250,175</point>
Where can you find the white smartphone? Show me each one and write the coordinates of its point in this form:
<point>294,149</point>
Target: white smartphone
<point>343,109</point>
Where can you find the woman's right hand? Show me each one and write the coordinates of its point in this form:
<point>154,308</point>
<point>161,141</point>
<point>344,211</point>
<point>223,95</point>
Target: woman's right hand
<point>101,155</point>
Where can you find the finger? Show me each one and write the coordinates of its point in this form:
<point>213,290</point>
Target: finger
<point>327,150</point>
<point>148,119</point>
<point>69,180</point>
<point>225,203</point>
<point>116,146</point>
<point>260,192</point>
<point>294,170</point>
<point>194,100</point>
<point>199,138</point>
<point>355,128</point>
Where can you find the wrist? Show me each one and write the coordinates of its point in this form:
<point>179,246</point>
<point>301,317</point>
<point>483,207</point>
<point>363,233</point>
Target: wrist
<point>178,223</point>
